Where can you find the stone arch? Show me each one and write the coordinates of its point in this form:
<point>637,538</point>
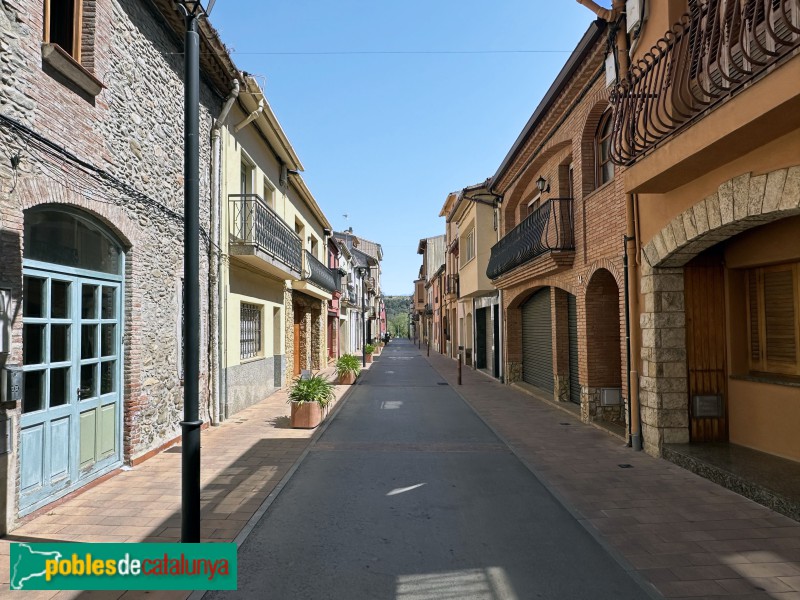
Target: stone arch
<point>739,204</point>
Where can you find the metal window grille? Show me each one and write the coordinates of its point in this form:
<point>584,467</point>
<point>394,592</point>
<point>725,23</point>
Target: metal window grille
<point>250,335</point>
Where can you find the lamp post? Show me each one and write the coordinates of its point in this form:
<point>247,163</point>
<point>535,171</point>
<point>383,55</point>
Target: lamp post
<point>190,426</point>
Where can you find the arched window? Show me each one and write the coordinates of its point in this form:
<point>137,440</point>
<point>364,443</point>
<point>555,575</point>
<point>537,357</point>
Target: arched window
<point>602,151</point>
<point>64,237</point>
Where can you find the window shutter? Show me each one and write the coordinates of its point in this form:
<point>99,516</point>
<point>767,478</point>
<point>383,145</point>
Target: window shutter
<point>752,309</point>
<point>779,317</point>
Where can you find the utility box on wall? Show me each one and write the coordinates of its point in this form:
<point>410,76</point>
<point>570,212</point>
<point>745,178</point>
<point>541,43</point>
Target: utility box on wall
<point>11,379</point>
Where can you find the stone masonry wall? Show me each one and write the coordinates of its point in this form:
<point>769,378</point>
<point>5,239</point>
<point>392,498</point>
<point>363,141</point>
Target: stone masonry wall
<point>133,130</point>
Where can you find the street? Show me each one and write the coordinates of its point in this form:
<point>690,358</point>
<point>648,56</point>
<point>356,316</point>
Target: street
<point>409,495</point>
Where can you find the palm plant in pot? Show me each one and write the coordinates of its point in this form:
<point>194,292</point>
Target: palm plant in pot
<point>369,349</point>
<point>309,398</point>
<point>347,369</point>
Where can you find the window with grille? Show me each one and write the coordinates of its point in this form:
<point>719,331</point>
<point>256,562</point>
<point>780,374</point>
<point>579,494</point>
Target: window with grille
<point>773,306</point>
<point>250,331</point>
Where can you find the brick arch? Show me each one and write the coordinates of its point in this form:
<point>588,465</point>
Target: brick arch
<point>739,204</point>
<point>35,193</point>
<point>530,172</point>
<point>588,184</point>
<point>523,295</point>
<point>604,264</point>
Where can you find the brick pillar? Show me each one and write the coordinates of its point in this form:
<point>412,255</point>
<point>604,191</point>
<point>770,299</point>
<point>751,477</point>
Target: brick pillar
<point>513,344</point>
<point>663,385</point>
<point>560,326</point>
<point>305,339</point>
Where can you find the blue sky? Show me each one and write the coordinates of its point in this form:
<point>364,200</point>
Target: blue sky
<point>385,137</point>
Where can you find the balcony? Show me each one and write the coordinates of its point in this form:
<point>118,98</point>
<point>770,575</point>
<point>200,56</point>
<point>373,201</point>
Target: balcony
<point>547,229</point>
<point>318,274</point>
<point>259,236</point>
<point>451,286</point>
<point>712,53</point>
<point>428,309</point>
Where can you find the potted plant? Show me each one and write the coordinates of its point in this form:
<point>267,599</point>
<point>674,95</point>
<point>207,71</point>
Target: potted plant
<point>369,350</point>
<point>309,397</point>
<point>347,369</point>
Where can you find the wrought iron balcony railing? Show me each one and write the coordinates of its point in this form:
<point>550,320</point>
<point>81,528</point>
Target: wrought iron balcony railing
<point>548,228</point>
<point>254,223</point>
<point>451,285</point>
<point>428,309</point>
<point>320,275</point>
<point>713,51</point>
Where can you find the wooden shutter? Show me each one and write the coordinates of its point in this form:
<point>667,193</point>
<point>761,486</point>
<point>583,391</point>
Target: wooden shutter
<point>780,319</point>
<point>773,327</point>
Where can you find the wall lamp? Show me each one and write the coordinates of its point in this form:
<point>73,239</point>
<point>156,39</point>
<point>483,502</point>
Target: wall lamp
<point>193,7</point>
<point>542,184</point>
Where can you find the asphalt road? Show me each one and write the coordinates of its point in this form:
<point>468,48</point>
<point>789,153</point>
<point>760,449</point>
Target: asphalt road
<point>409,496</point>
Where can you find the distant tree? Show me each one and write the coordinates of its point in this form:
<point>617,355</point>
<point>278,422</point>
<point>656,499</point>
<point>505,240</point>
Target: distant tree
<point>398,325</point>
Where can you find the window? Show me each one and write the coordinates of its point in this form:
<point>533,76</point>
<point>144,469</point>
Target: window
<point>250,331</point>
<point>605,168</point>
<point>63,25</point>
<point>534,204</point>
<point>269,193</point>
<point>773,305</point>
<point>468,251</point>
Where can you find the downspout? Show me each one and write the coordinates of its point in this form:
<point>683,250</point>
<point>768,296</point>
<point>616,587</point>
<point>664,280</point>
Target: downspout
<point>216,316</point>
<point>251,117</point>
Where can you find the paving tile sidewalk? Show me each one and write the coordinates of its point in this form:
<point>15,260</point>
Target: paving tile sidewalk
<point>687,536</point>
<point>243,460</point>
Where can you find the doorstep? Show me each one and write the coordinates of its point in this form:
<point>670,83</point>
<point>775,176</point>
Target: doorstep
<point>771,481</point>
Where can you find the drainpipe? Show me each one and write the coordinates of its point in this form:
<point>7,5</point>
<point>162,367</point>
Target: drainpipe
<point>216,316</point>
<point>632,312</point>
<point>251,117</point>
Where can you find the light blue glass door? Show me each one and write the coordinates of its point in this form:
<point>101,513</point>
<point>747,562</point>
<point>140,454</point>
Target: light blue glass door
<point>71,409</point>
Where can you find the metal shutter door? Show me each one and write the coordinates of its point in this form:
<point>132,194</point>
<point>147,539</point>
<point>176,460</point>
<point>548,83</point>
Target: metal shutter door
<point>572,324</point>
<point>537,341</point>
<point>487,314</point>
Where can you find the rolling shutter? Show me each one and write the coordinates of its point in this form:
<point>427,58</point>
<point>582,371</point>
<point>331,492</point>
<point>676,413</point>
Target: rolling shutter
<point>537,341</point>
<point>572,324</point>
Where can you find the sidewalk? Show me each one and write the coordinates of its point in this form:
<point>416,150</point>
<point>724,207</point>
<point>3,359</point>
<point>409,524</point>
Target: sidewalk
<point>243,460</point>
<point>687,536</point>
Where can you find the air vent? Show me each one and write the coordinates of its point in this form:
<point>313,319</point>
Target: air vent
<point>610,396</point>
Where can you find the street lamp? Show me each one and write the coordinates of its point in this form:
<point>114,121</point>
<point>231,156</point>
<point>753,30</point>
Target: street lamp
<point>191,10</point>
<point>362,272</point>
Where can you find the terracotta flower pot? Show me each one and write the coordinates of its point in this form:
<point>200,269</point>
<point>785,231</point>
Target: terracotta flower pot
<point>347,379</point>
<point>306,415</point>
<point>369,358</point>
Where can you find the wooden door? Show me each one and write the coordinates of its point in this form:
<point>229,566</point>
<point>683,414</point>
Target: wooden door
<point>704,284</point>
<point>296,368</point>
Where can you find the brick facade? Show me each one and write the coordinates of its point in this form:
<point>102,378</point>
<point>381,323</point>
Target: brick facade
<point>564,135</point>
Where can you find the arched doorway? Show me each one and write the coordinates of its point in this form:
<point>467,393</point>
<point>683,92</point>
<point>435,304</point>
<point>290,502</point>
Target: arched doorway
<point>604,361</point>
<point>71,423</point>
